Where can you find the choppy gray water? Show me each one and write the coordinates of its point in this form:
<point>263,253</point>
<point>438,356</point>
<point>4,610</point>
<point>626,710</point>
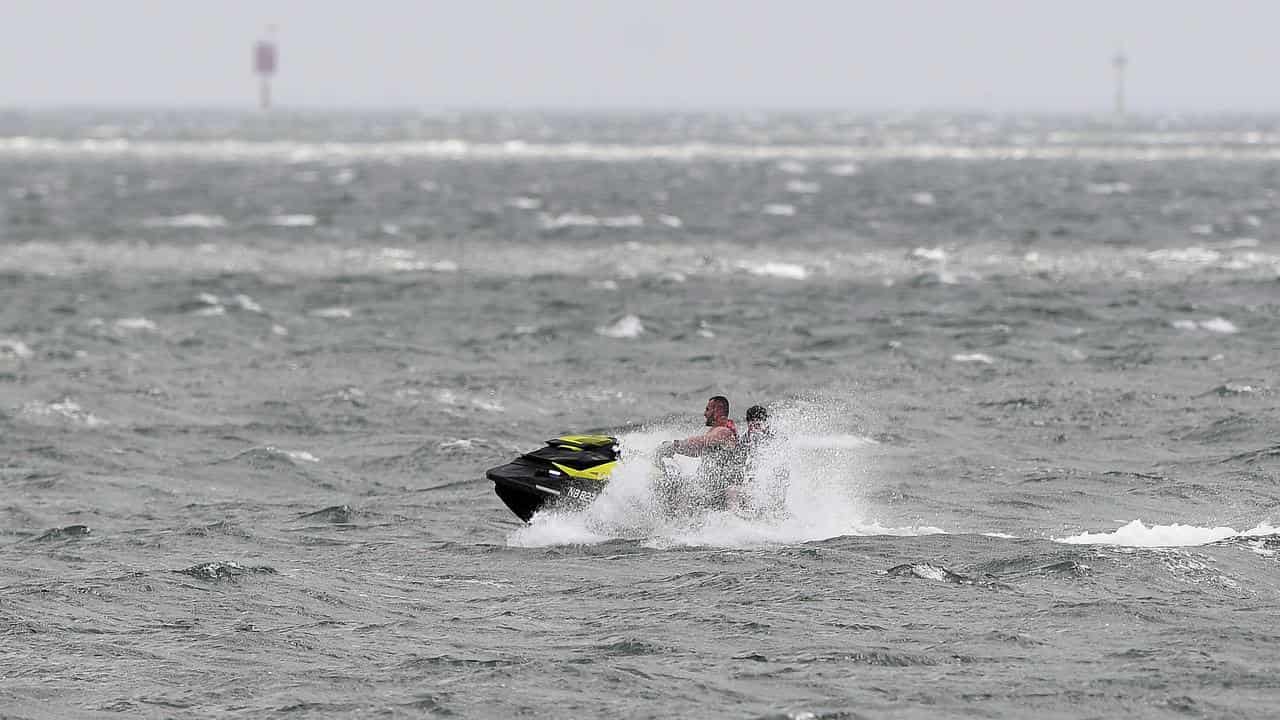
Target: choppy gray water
<point>252,370</point>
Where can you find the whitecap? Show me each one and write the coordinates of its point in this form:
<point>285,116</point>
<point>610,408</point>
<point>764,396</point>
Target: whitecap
<point>187,220</point>
<point>449,397</point>
<point>300,455</point>
<point>135,323</point>
<point>246,303</point>
<point>1190,255</point>
<point>1138,534</point>
<point>402,265</point>
<point>924,199</point>
<point>565,220</point>
<point>525,202</point>
<point>66,409</point>
<point>670,221</point>
<point>936,254</point>
<point>843,170</point>
<point>1219,325</point>
<point>628,326</point>
<point>487,405</point>
<point>292,220</point>
<point>623,221</point>
<point>779,209</point>
<point>930,279</point>
<point>788,271</point>
<point>331,312</point>
<point>1110,188</point>
<point>568,220</point>
<point>1055,146</point>
<point>609,285</point>
<point>803,187</point>
<point>973,358</point>
<point>443,266</point>
<point>15,348</point>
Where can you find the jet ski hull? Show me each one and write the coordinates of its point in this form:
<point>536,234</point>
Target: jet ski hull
<point>526,491</point>
<point>570,471</point>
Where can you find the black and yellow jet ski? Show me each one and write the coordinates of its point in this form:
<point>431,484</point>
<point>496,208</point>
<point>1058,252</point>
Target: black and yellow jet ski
<point>570,470</point>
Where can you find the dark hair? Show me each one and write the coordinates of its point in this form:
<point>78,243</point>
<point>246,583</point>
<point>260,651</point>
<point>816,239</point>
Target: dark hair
<point>722,402</point>
<point>757,413</point>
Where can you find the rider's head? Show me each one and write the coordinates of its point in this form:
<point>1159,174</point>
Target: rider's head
<point>717,409</point>
<point>757,417</point>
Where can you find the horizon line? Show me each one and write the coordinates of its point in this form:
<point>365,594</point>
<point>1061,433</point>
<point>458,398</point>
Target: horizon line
<point>623,109</point>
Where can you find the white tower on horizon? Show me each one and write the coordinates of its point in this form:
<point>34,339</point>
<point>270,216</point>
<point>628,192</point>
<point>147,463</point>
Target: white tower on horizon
<point>264,65</point>
<point>1120,62</point>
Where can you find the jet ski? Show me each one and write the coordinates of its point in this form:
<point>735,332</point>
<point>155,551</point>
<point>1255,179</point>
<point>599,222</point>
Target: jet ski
<point>569,470</point>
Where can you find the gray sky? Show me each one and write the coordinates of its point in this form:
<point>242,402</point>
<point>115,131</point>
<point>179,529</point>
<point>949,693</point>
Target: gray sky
<point>668,54</point>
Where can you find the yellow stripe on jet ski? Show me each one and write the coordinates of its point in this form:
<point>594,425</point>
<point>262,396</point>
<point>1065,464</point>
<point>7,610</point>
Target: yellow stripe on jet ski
<point>586,440</point>
<point>599,472</point>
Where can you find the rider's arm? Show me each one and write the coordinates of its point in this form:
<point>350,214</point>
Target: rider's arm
<point>699,444</point>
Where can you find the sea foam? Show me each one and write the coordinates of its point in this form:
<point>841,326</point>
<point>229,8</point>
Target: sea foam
<point>1138,534</point>
<point>825,468</point>
<point>626,327</point>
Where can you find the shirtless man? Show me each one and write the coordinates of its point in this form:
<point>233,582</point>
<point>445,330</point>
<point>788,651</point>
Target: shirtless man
<point>722,437</point>
<point>717,447</point>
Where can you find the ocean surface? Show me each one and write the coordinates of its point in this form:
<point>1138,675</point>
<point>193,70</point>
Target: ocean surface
<point>253,368</point>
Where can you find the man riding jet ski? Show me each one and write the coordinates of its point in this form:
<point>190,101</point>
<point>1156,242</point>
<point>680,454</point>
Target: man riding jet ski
<point>572,470</point>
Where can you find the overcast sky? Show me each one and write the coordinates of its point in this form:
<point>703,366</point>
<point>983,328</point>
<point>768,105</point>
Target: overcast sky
<point>666,54</point>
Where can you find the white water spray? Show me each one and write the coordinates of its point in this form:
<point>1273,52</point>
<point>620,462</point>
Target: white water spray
<point>827,465</point>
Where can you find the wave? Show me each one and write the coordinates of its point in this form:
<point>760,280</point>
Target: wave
<point>188,220</point>
<point>653,259</point>
<point>1197,148</point>
<point>15,348</point>
<point>63,411</point>
<point>295,220</point>
<point>1218,325</point>
<point>789,271</point>
<point>1138,534</point>
<point>626,327</point>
